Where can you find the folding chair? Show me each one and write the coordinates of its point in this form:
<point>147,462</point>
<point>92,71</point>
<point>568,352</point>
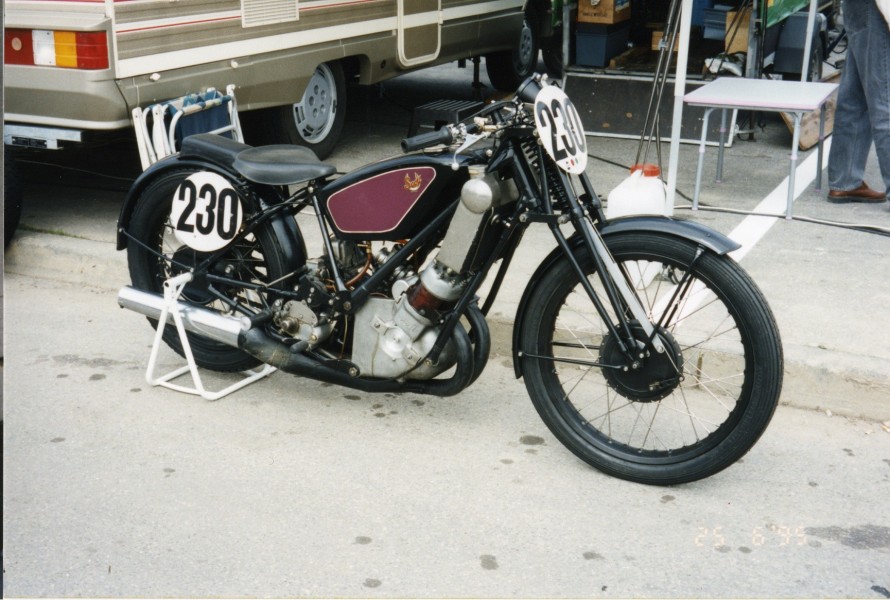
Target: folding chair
<point>160,128</point>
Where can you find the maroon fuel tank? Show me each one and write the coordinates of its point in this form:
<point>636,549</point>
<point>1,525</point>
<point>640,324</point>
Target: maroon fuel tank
<point>392,199</point>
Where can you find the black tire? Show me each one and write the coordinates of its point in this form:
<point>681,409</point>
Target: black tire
<point>316,121</point>
<point>12,197</point>
<point>258,258</point>
<point>509,68</point>
<point>551,53</point>
<point>817,57</point>
<point>727,344</point>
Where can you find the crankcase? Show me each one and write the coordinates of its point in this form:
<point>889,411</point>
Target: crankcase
<point>391,341</point>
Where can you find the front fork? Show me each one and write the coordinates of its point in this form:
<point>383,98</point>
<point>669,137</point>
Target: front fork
<point>618,291</point>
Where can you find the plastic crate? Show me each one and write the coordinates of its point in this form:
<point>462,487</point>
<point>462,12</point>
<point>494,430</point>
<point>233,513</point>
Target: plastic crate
<point>596,45</point>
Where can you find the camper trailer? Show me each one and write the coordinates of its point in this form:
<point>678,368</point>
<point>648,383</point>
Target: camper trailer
<point>76,68</point>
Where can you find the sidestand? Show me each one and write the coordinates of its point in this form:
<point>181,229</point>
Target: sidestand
<point>173,288</point>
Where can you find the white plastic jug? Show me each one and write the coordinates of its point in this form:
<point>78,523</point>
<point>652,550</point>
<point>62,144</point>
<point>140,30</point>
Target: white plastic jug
<point>642,193</point>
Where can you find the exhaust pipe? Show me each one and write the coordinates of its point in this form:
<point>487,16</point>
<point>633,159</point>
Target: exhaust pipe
<point>208,323</point>
<point>237,332</point>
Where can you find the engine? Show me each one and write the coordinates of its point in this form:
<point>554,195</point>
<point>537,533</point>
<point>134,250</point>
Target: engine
<point>392,336</point>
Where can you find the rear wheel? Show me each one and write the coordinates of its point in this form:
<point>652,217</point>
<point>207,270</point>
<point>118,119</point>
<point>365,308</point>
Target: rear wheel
<point>317,120</point>
<point>674,417</point>
<point>157,255</point>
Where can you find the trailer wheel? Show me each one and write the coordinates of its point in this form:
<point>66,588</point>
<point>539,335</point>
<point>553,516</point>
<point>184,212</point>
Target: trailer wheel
<point>12,197</point>
<point>551,52</point>
<point>317,120</point>
<point>817,57</point>
<point>509,68</point>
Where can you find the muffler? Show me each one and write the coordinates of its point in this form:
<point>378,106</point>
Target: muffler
<point>208,323</point>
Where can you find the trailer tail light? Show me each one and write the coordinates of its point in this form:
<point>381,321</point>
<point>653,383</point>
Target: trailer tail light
<point>68,49</point>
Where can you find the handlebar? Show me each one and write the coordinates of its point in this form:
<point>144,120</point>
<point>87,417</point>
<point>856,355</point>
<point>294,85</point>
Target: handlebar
<point>445,135</point>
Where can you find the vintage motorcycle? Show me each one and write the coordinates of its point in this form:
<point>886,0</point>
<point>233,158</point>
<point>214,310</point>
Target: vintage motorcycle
<point>645,348</point>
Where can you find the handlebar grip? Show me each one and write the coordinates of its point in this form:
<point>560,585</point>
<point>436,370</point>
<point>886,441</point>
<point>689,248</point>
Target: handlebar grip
<point>425,140</point>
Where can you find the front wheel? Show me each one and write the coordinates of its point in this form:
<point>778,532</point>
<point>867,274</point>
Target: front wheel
<point>664,418</point>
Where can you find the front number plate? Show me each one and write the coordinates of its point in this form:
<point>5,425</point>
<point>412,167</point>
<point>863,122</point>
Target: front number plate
<point>559,126</point>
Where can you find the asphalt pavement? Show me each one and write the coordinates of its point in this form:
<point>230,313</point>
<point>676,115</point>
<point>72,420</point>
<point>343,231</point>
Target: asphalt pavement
<point>291,488</point>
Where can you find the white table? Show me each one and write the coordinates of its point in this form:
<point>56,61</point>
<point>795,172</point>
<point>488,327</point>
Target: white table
<point>795,97</point>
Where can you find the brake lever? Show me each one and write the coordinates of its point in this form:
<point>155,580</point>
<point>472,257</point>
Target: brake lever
<point>469,140</point>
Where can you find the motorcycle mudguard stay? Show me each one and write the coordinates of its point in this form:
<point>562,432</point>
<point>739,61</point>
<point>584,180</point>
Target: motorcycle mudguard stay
<point>694,232</point>
<point>285,229</point>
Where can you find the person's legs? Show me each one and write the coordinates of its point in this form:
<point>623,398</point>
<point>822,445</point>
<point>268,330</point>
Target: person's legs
<point>874,67</point>
<point>851,137</point>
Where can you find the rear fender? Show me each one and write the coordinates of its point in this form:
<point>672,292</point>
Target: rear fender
<point>173,163</point>
<point>694,232</point>
<point>283,225</point>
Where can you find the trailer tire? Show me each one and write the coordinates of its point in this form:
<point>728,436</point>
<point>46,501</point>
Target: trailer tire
<point>817,57</point>
<point>12,197</point>
<point>316,121</point>
<point>509,68</point>
<point>551,53</point>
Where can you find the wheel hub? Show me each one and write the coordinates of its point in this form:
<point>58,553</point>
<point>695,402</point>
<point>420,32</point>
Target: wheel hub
<point>652,375</point>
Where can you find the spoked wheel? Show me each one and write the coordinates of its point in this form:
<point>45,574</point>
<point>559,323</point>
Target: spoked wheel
<point>657,418</point>
<point>255,259</point>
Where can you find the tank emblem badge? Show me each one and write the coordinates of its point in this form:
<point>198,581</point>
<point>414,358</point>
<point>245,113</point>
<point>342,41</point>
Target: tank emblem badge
<point>412,185</point>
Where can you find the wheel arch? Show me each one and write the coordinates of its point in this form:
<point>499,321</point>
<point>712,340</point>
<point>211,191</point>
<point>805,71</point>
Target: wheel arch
<point>694,232</point>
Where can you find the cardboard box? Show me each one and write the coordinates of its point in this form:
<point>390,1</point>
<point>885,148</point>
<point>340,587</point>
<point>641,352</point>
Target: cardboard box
<point>738,33</point>
<point>607,12</point>
<point>656,41</point>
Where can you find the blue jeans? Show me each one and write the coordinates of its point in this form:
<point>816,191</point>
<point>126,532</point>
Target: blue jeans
<point>863,103</point>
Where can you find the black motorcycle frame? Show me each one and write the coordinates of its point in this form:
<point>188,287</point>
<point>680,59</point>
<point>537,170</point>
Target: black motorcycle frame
<point>546,195</point>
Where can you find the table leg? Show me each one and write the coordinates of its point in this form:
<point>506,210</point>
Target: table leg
<point>793,159</point>
<point>821,139</point>
<point>701,157</point>
<point>719,177</point>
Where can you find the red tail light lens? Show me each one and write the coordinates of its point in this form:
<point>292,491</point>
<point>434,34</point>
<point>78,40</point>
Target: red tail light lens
<point>67,49</point>
<point>17,47</point>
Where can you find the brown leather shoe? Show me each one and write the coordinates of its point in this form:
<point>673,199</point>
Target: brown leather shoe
<point>861,194</point>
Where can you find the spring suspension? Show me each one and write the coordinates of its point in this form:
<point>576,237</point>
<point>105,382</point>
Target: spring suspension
<point>530,150</point>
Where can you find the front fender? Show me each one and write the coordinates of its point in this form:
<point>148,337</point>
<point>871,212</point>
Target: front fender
<point>689,230</point>
<point>704,236</point>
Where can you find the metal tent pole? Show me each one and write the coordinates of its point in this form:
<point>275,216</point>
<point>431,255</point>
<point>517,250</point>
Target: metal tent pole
<point>679,92</point>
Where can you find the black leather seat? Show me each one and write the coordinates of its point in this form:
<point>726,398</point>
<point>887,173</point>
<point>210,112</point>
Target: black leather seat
<point>270,165</point>
<point>281,165</point>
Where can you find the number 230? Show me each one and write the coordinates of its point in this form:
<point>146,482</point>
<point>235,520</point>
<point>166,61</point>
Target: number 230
<point>219,211</point>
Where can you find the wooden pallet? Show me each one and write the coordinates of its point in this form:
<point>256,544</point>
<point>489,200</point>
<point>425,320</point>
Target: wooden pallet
<point>809,124</point>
